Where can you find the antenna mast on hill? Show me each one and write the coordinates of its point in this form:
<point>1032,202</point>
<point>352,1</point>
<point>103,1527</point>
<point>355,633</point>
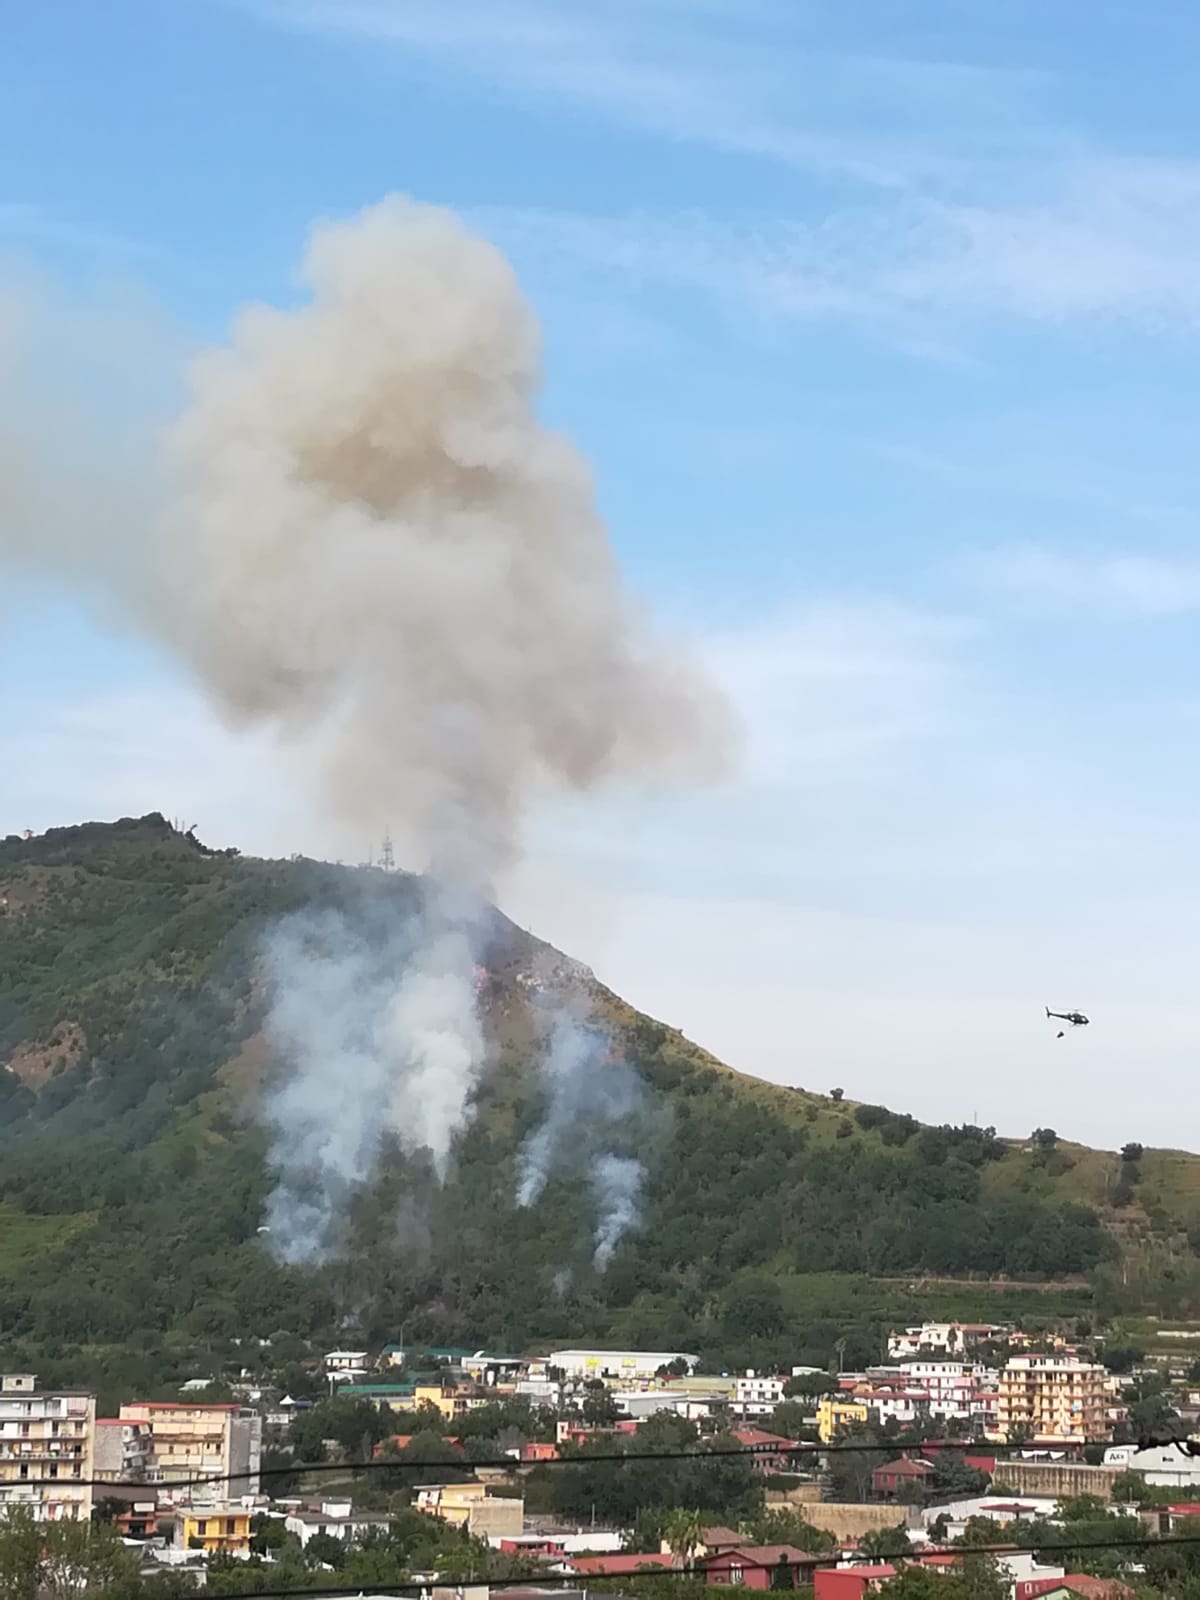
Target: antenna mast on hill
<point>386,859</point>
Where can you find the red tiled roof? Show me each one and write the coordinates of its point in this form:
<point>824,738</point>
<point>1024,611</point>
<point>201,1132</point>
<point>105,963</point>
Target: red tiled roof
<point>755,1439</point>
<point>761,1555</point>
<point>1081,1583</point>
<point>180,1405</point>
<point>618,1566</point>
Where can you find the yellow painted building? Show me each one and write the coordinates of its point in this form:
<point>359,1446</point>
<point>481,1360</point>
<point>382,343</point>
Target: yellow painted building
<point>470,1506</point>
<point>450,1402</point>
<point>432,1394</point>
<point>452,1502</point>
<point>833,1415</point>
<point>214,1528</point>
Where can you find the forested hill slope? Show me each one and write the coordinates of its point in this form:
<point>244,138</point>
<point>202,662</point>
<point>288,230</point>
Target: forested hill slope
<point>134,1169</point>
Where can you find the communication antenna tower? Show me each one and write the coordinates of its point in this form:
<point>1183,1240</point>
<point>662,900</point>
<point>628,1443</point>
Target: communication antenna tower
<point>386,859</point>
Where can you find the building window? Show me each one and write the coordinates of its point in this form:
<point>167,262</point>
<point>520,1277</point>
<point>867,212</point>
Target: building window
<point>736,1575</point>
<point>201,1528</point>
<point>230,1526</point>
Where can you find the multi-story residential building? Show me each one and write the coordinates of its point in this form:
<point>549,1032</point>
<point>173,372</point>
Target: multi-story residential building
<point>895,1404</point>
<point>756,1395</point>
<point>46,1446</point>
<point>123,1450</point>
<point>964,1390</point>
<point>221,1442</point>
<point>1052,1399</point>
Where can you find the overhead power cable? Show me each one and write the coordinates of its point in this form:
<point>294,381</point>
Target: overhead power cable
<point>507,1463</point>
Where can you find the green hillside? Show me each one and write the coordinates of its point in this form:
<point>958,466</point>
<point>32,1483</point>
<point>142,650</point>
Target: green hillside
<point>134,1175</point>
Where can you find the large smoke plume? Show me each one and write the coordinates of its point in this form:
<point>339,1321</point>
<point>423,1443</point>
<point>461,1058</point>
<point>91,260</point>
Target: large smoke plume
<point>369,542</point>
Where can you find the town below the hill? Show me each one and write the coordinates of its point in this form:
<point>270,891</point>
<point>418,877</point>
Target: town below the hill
<point>977,1461</point>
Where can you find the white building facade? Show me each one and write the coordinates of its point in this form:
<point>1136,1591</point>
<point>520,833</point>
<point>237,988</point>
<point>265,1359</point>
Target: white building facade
<point>620,1365</point>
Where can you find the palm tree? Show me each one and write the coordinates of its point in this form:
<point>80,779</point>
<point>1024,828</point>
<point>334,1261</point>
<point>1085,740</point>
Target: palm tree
<point>683,1534</point>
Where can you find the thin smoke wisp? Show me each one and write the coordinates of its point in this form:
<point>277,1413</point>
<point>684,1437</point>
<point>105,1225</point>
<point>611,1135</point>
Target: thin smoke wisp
<point>590,1095</point>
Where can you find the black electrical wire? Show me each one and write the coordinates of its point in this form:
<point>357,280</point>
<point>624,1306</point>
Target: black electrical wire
<point>506,1463</point>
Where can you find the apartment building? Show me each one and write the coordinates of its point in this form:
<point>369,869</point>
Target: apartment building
<point>187,1440</point>
<point>122,1450</point>
<point>962,1389</point>
<point>46,1447</point>
<point>756,1395</point>
<point>1052,1399</point>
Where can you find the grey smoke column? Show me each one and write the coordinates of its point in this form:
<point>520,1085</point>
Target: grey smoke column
<point>375,546</point>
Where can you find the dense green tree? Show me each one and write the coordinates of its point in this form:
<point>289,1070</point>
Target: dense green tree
<point>882,1544</point>
<point>810,1385</point>
<point>323,1550</point>
<point>355,1426</point>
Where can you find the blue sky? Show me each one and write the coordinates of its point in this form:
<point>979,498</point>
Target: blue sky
<point>879,325</point>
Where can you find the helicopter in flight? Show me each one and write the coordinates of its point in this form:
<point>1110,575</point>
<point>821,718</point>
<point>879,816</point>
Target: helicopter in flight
<point>1075,1019</point>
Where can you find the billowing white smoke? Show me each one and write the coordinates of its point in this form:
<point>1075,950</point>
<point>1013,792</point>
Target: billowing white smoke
<point>378,1027</point>
<point>369,543</point>
<point>618,1183</point>
<point>588,1093</point>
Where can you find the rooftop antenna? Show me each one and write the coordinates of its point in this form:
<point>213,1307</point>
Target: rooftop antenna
<point>386,859</point>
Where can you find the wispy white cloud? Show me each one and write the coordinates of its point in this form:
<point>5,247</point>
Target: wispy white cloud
<point>1112,238</point>
<point>1138,586</point>
<point>1115,242</point>
<point>755,78</point>
<point>824,688</point>
<point>28,223</point>
<point>958,193</point>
